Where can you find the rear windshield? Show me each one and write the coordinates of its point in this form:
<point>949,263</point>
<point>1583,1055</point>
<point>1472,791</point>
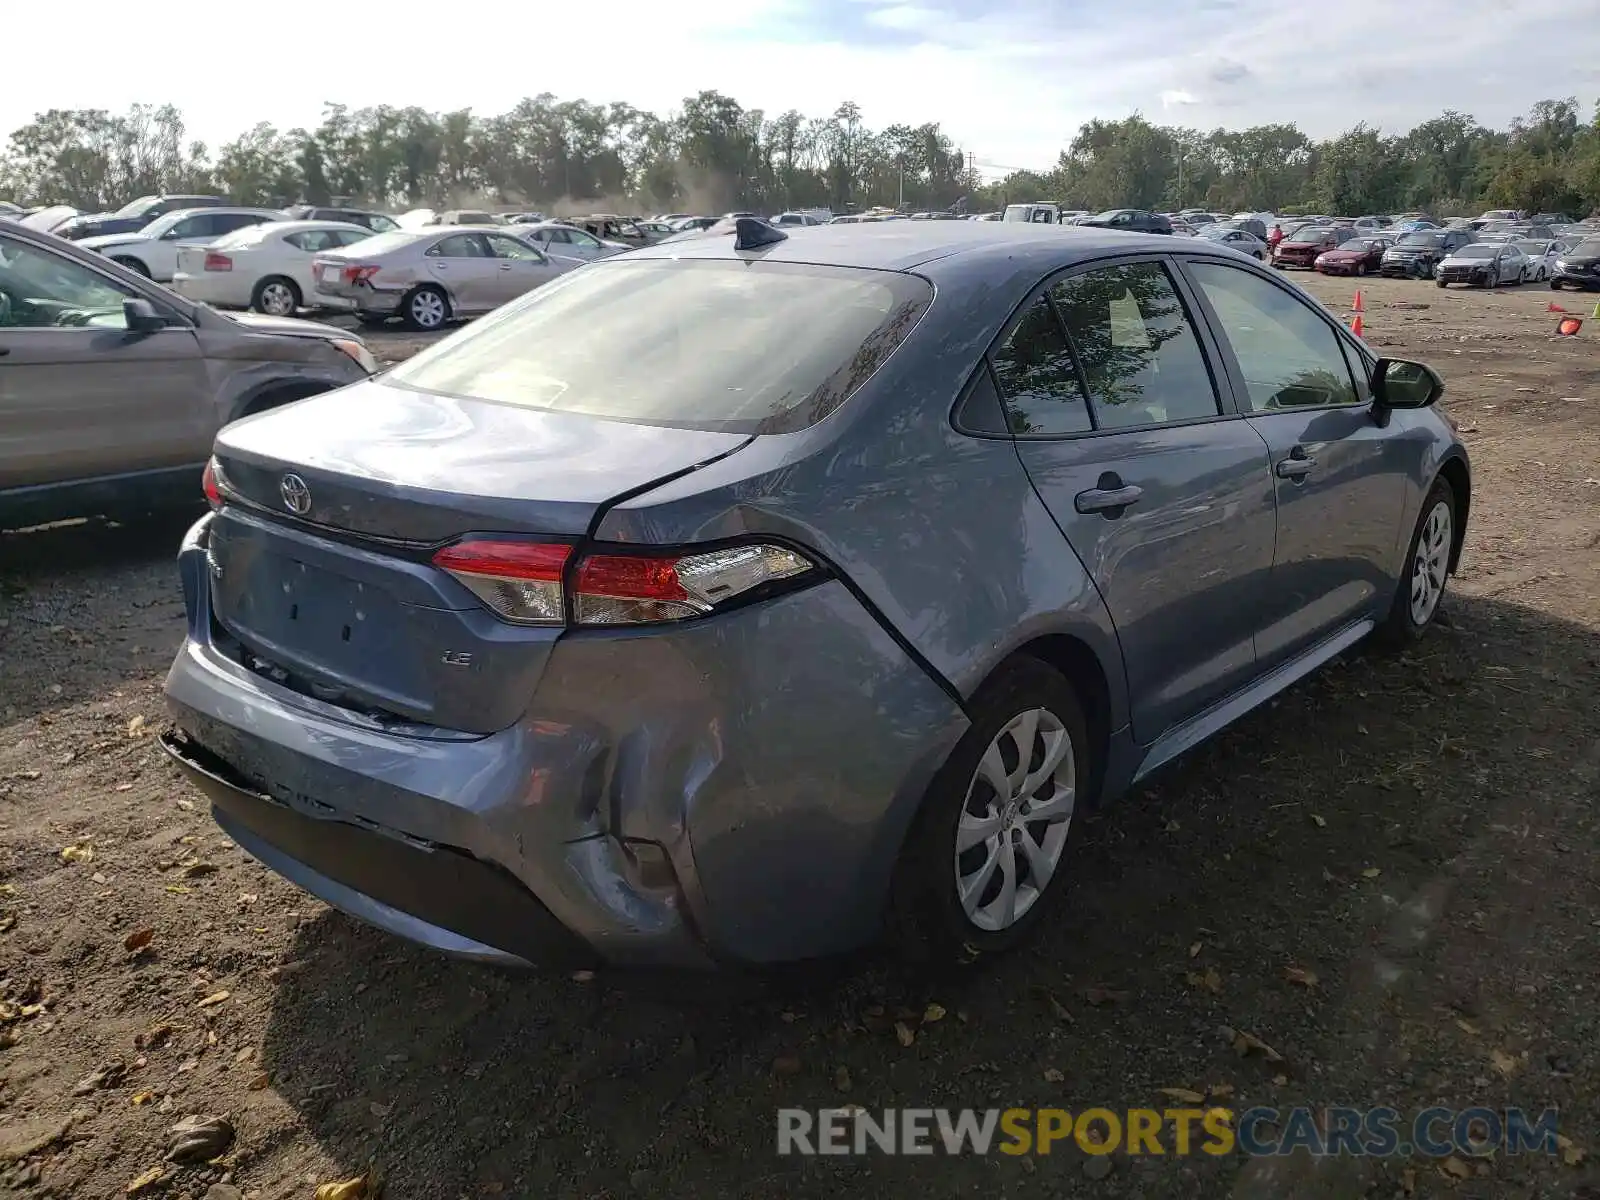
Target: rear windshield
<point>382,243</point>
<point>723,345</point>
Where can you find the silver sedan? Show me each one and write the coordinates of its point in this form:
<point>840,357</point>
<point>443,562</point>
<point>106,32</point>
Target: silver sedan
<point>428,277</point>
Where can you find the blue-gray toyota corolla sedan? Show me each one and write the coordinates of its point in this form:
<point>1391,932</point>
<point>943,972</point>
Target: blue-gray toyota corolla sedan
<point>741,598</point>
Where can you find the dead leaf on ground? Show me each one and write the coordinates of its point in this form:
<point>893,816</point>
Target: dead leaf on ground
<point>1209,980</point>
<point>77,854</point>
<point>1052,1075</point>
<point>6,922</point>
<point>199,1139</point>
<point>1319,821</point>
<point>1219,1091</point>
<point>1571,1153</point>
<point>841,1077</point>
<point>1058,1009</point>
<point>1454,1167</point>
<point>261,1082</point>
<point>1100,996</point>
<point>359,1188</point>
<point>1183,1095</point>
<point>1408,1181</point>
<point>1195,948</point>
<point>934,1012</point>
<point>1304,977</point>
<point>1371,873</point>
<point>152,1180</point>
<point>1504,1063</point>
<point>1246,1043</point>
<point>1466,1027</point>
<point>138,940</point>
<point>135,725</point>
<point>154,1036</point>
<point>140,1099</point>
<point>198,870</point>
<point>214,999</point>
<point>903,1033</point>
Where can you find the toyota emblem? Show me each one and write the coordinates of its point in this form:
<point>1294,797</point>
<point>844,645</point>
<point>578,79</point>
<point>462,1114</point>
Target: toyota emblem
<point>296,495</point>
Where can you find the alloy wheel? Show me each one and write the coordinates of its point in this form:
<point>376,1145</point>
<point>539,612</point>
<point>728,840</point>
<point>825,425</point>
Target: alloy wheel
<point>277,300</point>
<point>1431,563</point>
<point>1014,822</point>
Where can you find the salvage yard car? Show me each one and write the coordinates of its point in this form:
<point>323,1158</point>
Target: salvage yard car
<point>266,268</point>
<point>1482,264</point>
<point>112,387</point>
<point>1578,267</point>
<point>1302,247</point>
<point>153,250</point>
<point>531,650</point>
<point>1417,253</point>
<point>429,277</point>
<point>1357,256</point>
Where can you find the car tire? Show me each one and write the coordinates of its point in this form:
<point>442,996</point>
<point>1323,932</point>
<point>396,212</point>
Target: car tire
<point>1361,270</point>
<point>1555,285</point>
<point>1439,283</point>
<point>133,264</point>
<point>1426,570</point>
<point>425,309</point>
<point>276,296</point>
<point>929,922</point>
<point>372,322</point>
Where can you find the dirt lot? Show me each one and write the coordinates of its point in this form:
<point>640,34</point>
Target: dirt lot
<point>1417,836</point>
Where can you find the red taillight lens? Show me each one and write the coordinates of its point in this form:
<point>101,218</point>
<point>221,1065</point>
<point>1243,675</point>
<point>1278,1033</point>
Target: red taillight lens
<point>522,581</point>
<point>208,484</point>
<point>218,262</point>
<point>358,274</point>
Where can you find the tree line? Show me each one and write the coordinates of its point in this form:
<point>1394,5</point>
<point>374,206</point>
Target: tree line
<point>713,154</point>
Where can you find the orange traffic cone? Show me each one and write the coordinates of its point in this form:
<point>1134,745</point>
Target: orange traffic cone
<point>1554,307</point>
<point>1358,306</point>
<point>1355,326</point>
<point>1568,326</point>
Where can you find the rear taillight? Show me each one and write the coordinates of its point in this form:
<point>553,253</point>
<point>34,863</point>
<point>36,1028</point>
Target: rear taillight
<point>218,262</point>
<point>519,581</point>
<point>358,274</point>
<point>525,582</point>
<point>209,485</point>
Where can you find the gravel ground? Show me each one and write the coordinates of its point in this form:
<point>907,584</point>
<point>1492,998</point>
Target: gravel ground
<point>1388,876</point>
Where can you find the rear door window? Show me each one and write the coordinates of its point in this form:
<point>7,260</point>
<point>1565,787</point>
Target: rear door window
<point>1039,386</point>
<point>1140,357</point>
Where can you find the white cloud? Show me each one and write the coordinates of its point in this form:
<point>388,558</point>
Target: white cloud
<point>1010,81</point>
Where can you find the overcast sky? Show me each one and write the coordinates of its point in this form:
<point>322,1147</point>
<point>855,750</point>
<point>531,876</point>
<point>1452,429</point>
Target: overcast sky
<point>1009,80</point>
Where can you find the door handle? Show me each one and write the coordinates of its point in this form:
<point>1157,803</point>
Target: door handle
<point>1107,499</point>
<point>1297,466</point>
<point>4,350</point>
<point>505,266</point>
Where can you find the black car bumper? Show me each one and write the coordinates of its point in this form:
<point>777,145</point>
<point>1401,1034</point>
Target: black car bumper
<point>1406,268</point>
<point>1588,280</point>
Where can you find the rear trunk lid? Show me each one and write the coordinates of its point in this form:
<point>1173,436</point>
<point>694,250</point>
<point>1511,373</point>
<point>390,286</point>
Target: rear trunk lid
<point>321,569</point>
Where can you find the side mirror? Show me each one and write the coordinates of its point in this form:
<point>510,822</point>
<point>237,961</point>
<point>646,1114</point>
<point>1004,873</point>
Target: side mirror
<point>1397,383</point>
<point>141,316</point>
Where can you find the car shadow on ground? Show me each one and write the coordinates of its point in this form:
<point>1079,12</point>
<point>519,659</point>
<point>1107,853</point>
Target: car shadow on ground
<point>1363,829</point>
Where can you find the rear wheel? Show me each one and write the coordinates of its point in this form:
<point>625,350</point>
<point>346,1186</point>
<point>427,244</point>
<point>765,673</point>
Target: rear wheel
<point>1427,569</point>
<point>426,309</point>
<point>133,264</point>
<point>276,297</point>
<point>1439,283</point>
<point>1555,285</point>
<point>984,861</point>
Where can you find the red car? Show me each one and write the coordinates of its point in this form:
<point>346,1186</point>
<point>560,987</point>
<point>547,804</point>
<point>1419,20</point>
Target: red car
<point>1356,257</point>
<point>1301,248</point>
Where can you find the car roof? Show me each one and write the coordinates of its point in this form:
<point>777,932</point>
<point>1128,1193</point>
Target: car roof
<point>308,223</point>
<point>907,245</point>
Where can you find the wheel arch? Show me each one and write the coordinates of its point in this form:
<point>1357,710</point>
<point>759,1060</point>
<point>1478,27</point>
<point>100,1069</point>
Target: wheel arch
<point>1076,661</point>
<point>1455,471</point>
<point>276,393</point>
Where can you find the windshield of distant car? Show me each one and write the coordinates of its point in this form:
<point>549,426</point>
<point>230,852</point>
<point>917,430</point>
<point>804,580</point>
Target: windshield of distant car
<point>1532,247</point>
<point>1588,249</point>
<point>1362,244</point>
<point>1475,250</point>
<point>739,347</point>
<point>1423,240</point>
<point>136,208</point>
<point>1108,214</point>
